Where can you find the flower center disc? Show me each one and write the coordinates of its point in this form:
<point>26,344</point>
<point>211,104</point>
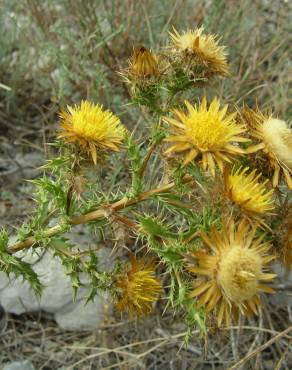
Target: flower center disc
<point>239,272</point>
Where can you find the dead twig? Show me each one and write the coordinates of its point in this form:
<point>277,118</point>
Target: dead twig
<point>261,348</point>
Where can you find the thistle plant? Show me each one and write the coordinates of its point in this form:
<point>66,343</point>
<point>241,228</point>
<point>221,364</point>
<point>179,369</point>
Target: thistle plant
<point>196,222</point>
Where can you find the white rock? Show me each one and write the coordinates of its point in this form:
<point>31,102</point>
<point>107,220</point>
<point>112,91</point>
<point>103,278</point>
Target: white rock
<point>57,298</point>
<point>281,298</point>
<point>3,282</point>
<point>82,316</point>
<point>17,297</point>
<point>19,365</point>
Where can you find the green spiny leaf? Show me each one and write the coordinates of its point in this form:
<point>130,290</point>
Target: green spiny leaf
<point>154,227</point>
<point>11,264</point>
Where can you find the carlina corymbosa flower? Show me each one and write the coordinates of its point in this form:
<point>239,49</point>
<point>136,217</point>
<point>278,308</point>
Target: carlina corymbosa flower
<point>233,271</point>
<point>144,63</point>
<point>275,140</point>
<point>138,288</point>
<point>252,196</point>
<point>207,134</point>
<point>92,128</point>
<point>201,52</point>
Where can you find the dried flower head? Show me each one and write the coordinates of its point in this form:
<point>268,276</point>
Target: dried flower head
<point>200,53</point>
<point>207,133</point>
<point>138,288</point>
<point>275,140</point>
<point>92,128</point>
<point>251,196</point>
<point>233,271</point>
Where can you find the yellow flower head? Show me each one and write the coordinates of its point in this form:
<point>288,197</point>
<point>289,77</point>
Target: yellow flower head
<point>233,271</point>
<point>205,132</point>
<point>275,140</point>
<point>138,288</point>
<point>202,51</point>
<point>144,63</point>
<point>92,128</point>
<point>250,195</point>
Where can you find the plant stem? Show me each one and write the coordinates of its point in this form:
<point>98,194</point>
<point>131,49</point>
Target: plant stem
<point>98,214</point>
<point>146,159</point>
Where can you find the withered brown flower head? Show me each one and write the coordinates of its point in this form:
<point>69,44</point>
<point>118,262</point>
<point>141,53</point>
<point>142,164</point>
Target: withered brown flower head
<point>275,140</point>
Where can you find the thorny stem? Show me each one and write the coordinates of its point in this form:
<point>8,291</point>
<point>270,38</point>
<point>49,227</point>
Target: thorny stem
<point>126,221</point>
<point>98,214</point>
<point>149,153</point>
<point>146,159</point>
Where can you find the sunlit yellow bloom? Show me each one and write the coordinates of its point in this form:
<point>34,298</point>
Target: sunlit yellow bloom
<point>92,128</point>
<point>206,133</point>
<point>201,50</point>
<point>275,140</point>
<point>233,271</point>
<point>138,288</point>
<point>144,63</point>
<point>250,195</point>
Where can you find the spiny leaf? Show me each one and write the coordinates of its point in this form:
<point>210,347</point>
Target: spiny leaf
<point>154,227</point>
<point>174,204</point>
<point>195,318</point>
<point>61,248</point>
<point>171,254</point>
<point>11,264</point>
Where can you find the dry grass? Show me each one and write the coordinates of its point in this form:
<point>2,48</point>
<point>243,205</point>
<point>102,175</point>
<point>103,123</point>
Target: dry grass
<point>261,343</point>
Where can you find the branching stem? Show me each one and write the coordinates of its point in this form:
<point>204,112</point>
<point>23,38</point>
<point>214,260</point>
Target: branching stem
<point>100,213</point>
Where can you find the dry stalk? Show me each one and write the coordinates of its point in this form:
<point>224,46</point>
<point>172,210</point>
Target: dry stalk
<point>261,348</point>
<point>98,214</point>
